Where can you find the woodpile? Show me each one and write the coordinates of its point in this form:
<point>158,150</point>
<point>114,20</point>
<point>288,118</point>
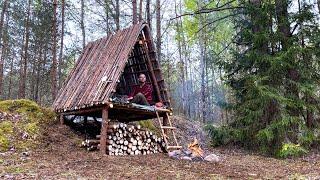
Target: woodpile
<point>124,139</point>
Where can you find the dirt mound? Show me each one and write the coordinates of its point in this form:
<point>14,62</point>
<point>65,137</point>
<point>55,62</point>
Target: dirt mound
<point>55,137</point>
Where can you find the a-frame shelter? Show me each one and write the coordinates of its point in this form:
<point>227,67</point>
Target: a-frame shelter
<point>110,66</point>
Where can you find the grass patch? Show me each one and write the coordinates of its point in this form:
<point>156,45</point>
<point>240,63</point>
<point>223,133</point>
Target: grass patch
<point>13,169</point>
<point>291,150</point>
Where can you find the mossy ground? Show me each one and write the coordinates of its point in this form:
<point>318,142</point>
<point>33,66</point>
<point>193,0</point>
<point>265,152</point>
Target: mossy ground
<point>150,125</point>
<point>22,131</point>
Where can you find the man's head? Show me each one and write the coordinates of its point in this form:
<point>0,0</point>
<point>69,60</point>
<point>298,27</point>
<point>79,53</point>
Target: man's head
<point>142,78</point>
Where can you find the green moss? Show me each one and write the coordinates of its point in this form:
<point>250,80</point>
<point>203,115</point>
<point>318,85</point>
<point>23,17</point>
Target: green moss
<point>4,143</point>
<point>148,124</point>
<point>6,127</point>
<point>19,106</point>
<point>32,120</point>
<point>32,128</point>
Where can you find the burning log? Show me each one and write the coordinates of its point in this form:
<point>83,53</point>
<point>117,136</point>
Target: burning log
<point>123,139</point>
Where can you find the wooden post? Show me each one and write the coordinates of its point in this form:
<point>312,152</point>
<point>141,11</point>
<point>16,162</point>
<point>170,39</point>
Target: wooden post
<point>104,127</point>
<point>61,118</point>
<point>85,122</point>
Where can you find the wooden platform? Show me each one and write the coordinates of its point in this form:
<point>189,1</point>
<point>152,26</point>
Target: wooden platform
<point>121,112</point>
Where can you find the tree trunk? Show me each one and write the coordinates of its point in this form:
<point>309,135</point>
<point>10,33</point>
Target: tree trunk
<point>158,17</point>
<point>181,62</point>
<point>310,122</point>
<point>82,25</point>
<point>186,87</point>
<point>202,45</point>
<point>134,11</point>
<point>148,13</point>
<point>5,42</point>
<point>61,44</point>
<point>32,76</point>
<point>24,63</point>
<point>10,79</point>
<point>284,29</point>
<point>140,10</point>
<point>37,81</point>
<point>54,53</point>
<point>41,76</point>
<point>117,18</point>
<point>4,9</point>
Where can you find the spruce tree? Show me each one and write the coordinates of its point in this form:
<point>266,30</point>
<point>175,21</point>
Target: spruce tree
<point>274,75</point>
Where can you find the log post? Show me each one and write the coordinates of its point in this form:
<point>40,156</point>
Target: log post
<point>104,127</point>
<point>61,118</point>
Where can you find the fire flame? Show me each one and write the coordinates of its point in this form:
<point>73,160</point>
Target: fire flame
<point>195,148</point>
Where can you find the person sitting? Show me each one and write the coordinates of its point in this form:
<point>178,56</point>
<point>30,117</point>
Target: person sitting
<point>142,93</point>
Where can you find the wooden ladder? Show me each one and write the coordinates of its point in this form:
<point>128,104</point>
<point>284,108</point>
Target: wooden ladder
<point>165,129</point>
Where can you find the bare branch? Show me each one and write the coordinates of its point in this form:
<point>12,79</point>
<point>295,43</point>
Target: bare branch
<point>210,10</point>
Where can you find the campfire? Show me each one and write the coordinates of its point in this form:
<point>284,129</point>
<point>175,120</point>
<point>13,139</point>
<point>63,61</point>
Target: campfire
<point>193,153</point>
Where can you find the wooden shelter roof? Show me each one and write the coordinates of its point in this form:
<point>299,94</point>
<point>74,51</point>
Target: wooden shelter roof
<point>108,65</point>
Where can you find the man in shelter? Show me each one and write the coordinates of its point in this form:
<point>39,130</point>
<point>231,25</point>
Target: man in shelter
<point>142,93</point>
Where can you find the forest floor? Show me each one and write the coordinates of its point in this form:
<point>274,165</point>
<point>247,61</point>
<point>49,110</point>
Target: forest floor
<point>61,157</point>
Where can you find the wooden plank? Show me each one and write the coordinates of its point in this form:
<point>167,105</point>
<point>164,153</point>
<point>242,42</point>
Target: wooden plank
<point>84,81</point>
<point>83,111</point>
<point>77,82</point>
<point>123,57</point>
<point>113,75</point>
<point>61,98</point>
<point>91,78</point>
<point>105,68</point>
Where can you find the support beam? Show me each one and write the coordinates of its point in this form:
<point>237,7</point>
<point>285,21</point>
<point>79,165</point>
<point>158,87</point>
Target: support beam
<point>61,119</point>
<point>104,127</point>
<point>86,126</point>
<point>83,111</point>
<point>153,77</point>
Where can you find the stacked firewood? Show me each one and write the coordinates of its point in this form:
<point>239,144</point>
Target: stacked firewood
<point>124,139</point>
